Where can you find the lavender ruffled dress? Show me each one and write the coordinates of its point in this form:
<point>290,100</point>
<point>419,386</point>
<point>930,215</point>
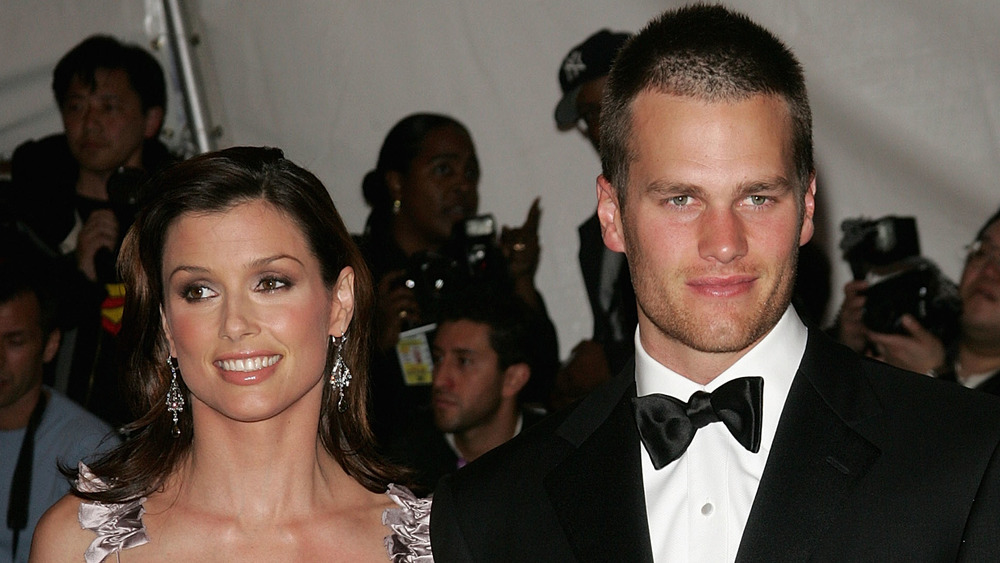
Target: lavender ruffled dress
<point>119,526</point>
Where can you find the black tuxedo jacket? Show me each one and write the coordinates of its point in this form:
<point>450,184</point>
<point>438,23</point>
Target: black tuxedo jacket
<point>869,463</point>
<point>424,449</point>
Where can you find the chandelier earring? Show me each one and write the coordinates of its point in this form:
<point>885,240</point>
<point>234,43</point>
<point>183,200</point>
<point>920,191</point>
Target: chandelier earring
<point>396,204</point>
<point>175,398</point>
<point>340,374</point>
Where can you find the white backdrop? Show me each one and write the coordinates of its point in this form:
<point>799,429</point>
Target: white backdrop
<point>905,94</point>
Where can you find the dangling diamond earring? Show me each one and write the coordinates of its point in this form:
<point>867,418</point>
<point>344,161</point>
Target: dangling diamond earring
<point>340,375</point>
<point>175,399</point>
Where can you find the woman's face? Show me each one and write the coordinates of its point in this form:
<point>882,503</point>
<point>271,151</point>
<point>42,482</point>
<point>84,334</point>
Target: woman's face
<point>440,188</point>
<point>246,311</point>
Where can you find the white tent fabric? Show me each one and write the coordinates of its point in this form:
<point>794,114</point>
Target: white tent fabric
<point>905,95</point>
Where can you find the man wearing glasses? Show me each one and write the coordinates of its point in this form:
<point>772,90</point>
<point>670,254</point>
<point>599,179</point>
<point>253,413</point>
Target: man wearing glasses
<point>973,360</point>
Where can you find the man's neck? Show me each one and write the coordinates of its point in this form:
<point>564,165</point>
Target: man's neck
<point>977,358</point>
<point>474,442</point>
<point>93,185</point>
<point>17,414</point>
<point>700,367</point>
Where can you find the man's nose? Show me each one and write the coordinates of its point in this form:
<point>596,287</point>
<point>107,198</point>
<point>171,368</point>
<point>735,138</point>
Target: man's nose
<point>722,236</point>
<point>443,375</point>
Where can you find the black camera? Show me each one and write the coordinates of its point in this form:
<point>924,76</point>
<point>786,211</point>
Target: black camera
<point>125,198</point>
<point>471,255</point>
<point>886,251</point>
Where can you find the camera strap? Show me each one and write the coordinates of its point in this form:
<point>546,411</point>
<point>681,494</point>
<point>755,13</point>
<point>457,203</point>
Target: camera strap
<point>20,489</point>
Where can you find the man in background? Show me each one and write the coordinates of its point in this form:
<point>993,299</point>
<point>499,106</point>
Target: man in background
<point>77,192</point>
<point>39,427</point>
<point>582,76</point>
<point>973,358</point>
<point>480,367</point>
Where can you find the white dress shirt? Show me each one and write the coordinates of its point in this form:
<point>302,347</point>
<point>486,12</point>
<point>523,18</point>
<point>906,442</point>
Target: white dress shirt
<point>697,506</point>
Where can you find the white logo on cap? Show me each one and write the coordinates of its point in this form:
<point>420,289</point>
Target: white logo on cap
<point>574,65</point>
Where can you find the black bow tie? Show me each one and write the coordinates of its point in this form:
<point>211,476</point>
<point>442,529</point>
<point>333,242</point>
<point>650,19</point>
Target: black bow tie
<point>667,425</point>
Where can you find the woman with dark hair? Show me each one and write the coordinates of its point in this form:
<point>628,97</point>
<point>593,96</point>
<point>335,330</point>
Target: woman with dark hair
<point>423,189</point>
<point>246,326</point>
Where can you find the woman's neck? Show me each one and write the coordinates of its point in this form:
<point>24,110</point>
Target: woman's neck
<point>268,469</point>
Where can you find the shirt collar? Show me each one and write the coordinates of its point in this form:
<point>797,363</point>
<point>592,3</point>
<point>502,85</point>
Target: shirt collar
<point>776,358</point>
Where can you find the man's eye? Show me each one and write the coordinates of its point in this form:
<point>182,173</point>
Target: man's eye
<point>757,199</point>
<point>680,200</point>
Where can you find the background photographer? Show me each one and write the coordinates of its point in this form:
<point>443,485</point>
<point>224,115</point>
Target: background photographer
<point>424,198</point>
<point>112,98</point>
<point>972,357</point>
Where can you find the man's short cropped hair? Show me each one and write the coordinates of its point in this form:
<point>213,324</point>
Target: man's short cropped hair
<point>502,311</point>
<point>145,74</point>
<point>709,53</point>
<point>26,272</point>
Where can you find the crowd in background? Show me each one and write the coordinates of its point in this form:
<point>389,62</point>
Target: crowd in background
<point>455,300</point>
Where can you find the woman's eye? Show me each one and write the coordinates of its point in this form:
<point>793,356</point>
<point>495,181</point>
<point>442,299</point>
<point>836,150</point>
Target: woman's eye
<point>442,169</point>
<point>271,284</point>
<point>197,293</point>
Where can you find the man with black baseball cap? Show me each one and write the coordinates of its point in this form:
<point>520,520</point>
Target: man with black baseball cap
<point>582,75</point>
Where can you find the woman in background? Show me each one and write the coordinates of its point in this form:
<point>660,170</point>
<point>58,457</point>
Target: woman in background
<point>422,191</point>
<point>246,325</point>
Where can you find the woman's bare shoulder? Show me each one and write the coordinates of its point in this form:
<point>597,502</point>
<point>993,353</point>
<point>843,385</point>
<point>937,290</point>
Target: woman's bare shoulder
<point>58,536</point>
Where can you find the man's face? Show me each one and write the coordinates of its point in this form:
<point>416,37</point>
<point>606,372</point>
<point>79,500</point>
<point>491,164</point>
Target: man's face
<point>23,348</point>
<point>588,105</point>
<point>711,226</point>
<point>105,125</point>
<point>980,289</point>
<point>468,384</point>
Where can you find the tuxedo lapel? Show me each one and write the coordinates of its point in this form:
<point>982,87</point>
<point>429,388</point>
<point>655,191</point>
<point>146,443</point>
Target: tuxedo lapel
<point>596,490</point>
<point>817,456</point>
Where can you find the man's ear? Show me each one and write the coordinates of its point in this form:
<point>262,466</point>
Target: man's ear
<point>609,215</point>
<point>515,377</point>
<point>154,120</point>
<point>342,308</point>
<point>808,211</point>
<point>51,345</point>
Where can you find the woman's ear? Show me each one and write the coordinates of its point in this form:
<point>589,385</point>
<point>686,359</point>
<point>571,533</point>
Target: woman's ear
<point>342,309</point>
<point>166,333</point>
<point>394,181</point>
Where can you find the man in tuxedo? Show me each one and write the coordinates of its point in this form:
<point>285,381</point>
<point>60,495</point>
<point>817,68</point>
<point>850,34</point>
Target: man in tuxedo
<point>708,187</point>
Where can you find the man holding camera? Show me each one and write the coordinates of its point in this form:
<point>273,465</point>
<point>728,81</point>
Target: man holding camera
<point>973,358</point>
<point>112,99</point>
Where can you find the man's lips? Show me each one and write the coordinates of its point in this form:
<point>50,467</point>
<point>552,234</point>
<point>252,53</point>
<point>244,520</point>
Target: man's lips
<point>442,401</point>
<point>722,286</point>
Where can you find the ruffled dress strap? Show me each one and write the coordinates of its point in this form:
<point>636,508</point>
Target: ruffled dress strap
<point>118,526</point>
<point>410,540</point>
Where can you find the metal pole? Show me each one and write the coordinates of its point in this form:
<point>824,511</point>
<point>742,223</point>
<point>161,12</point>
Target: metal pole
<point>193,103</point>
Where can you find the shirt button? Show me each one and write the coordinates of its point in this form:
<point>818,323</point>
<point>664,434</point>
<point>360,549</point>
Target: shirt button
<point>707,509</point>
